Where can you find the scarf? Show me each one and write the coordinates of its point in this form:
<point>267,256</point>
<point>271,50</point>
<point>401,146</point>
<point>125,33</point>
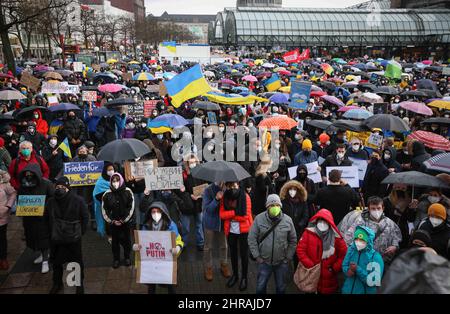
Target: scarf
<point>327,242</point>
<point>157,226</point>
<point>239,205</point>
<point>101,186</point>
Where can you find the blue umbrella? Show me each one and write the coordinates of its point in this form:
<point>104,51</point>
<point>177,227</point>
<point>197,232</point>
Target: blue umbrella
<point>283,64</point>
<point>279,98</point>
<point>361,66</point>
<point>103,112</point>
<point>357,114</point>
<point>276,61</point>
<point>240,89</point>
<point>173,120</point>
<point>238,66</point>
<point>64,107</point>
<point>384,63</point>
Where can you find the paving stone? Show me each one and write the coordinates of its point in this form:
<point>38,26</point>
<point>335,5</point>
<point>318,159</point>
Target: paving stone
<point>17,280</point>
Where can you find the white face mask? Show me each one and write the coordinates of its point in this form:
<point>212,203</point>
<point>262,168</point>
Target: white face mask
<point>53,143</point>
<point>10,133</point>
<point>156,217</point>
<point>340,155</point>
<point>434,199</point>
<point>323,226</point>
<point>250,125</point>
<point>116,185</point>
<point>298,136</point>
<point>193,165</point>
<point>360,245</point>
<point>436,221</point>
<point>143,125</point>
<point>110,172</point>
<point>221,129</point>
<point>376,214</point>
<point>292,193</point>
<point>387,156</point>
<point>355,147</point>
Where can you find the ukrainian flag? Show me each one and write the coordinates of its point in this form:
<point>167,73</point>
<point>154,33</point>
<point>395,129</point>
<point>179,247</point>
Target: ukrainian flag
<point>170,45</point>
<point>187,85</point>
<point>273,83</point>
<point>64,146</point>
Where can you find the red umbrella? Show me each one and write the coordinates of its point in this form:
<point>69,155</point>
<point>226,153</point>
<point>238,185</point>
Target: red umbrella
<point>431,140</point>
<point>284,72</point>
<point>278,122</point>
<point>8,76</point>
<point>318,93</point>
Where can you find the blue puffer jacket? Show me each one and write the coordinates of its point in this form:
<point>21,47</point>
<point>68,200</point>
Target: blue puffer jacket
<point>210,207</point>
<point>357,284</point>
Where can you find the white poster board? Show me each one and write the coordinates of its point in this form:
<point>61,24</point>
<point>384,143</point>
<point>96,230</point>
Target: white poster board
<point>313,173</point>
<point>375,140</point>
<point>155,264</point>
<point>78,66</point>
<point>349,175</point>
<point>164,178</point>
<point>362,166</point>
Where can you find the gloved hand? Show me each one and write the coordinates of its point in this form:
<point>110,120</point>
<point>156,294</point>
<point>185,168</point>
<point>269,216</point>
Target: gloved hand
<point>137,247</point>
<point>175,250</point>
<point>350,273</point>
<point>353,267</point>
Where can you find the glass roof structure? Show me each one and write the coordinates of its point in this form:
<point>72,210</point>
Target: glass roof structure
<point>293,27</point>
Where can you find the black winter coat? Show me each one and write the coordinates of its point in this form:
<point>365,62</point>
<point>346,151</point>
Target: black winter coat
<point>118,205</point>
<point>440,237</point>
<point>375,173</point>
<point>339,200</point>
<point>55,162</point>
<point>263,188</point>
<point>75,129</point>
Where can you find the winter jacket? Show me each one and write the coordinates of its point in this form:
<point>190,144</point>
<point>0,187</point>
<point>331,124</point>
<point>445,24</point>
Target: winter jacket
<point>245,222</point>
<point>37,139</point>
<point>367,260</point>
<point>210,208</point>
<point>279,246</point>
<point>331,161</point>
<point>190,206</point>
<point>387,233</point>
<point>118,204</point>
<point>55,162</point>
<point>297,207</point>
<point>440,237</point>
<point>7,198</point>
<point>155,153</point>
<point>308,184</point>
<point>392,162</point>
<point>41,124</point>
<point>419,156</point>
<point>360,154</point>
<point>338,199</point>
<point>75,129</point>
<point>424,204</point>
<point>309,253</point>
<point>5,157</point>
<point>263,188</point>
<point>402,219</point>
<point>21,163</point>
<point>375,173</point>
<point>301,158</point>
<point>142,133</point>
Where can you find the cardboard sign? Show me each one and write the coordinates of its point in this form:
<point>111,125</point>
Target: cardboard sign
<point>83,173</point>
<point>30,205</point>
<point>349,175</point>
<point>375,140</point>
<point>138,169</point>
<point>78,66</point>
<point>165,178</point>
<point>149,106</point>
<point>89,95</point>
<point>199,189</point>
<point>127,76</point>
<point>52,100</point>
<point>362,166</point>
<point>30,81</point>
<point>155,264</point>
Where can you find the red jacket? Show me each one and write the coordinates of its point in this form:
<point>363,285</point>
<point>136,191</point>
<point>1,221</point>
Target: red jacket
<point>22,164</point>
<point>245,222</point>
<point>309,253</point>
<point>41,124</point>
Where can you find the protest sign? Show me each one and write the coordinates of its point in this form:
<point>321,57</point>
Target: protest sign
<point>78,66</point>
<point>362,166</point>
<point>320,160</point>
<point>199,189</point>
<point>72,89</point>
<point>375,140</point>
<point>155,264</point>
<point>149,106</point>
<point>153,88</point>
<point>127,76</point>
<point>313,173</point>
<point>136,111</point>
<point>30,205</point>
<point>89,95</point>
<point>165,178</point>
<point>54,88</point>
<point>159,75</point>
<point>349,175</point>
<point>83,173</point>
<point>212,118</point>
<point>52,100</point>
<point>30,81</point>
<point>138,169</point>
<point>299,96</point>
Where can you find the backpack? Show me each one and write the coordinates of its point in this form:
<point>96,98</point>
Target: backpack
<point>64,231</point>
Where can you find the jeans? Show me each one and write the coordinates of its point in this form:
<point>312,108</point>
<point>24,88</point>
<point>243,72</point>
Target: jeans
<point>3,242</point>
<point>264,273</point>
<point>209,242</point>
<point>121,236</point>
<point>239,246</point>
<point>186,223</point>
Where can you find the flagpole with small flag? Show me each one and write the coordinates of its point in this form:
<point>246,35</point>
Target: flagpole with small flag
<point>65,147</point>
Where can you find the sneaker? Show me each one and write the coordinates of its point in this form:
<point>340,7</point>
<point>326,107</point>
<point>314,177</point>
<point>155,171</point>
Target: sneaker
<point>45,268</point>
<point>116,264</point>
<point>56,288</point>
<point>225,270</point>
<point>110,241</point>
<point>209,273</point>
<point>38,260</point>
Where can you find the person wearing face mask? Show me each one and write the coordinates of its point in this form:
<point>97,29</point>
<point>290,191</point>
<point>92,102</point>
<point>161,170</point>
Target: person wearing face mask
<point>307,155</point>
<point>389,155</point>
<point>435,128</point>
<point>130,128</point>
<point>264,185</point>
<point>36,228</point>
<point>7,200</point>
<point>142,131</point>
<point>41,124</point>
<point>356,150</point>
<point>11,140</point>
<point>157,218</point>
<point>421,205</point>
<point>37,139</point>
<point>296,145</point>
<point>388,234</point>
<point>75,131</point>
<point>63,209</point>
<point>355,265</point>
<point>418,155</point>
<point>323,146</point>
<point>236,213</point>
<point>337,159</point>
<point>439,229</point>
<point>101,186</point>
<point>54,157</point>
<point>117,211</point>
<point>403,157</point>
<point>272,240</point>
<point>375,174</point>
<point>322,243</point>
<point>5,158</point>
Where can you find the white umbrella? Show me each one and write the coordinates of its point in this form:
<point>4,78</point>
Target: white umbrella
<point>11,95</point>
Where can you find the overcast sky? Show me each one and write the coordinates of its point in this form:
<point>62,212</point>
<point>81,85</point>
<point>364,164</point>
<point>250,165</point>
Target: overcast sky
<point>157,7</point>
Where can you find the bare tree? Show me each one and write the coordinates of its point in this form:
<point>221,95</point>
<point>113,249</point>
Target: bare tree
<point>112,26</point>
<point>86,27</point>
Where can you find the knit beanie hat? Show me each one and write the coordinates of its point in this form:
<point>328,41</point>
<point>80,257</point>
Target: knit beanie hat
<point>64,181</point>
<point>437,210</point>
<point>422,236</point>
<point>323,138</point>
<point>273,199</point>
<point>361,235</point>
<point>307,144</point>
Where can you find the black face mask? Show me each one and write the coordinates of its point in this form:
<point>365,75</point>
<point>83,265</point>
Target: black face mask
<point>301,176</point>
<point>374,160</point>
<point>82,156</point>
<point>232,193</point>
<point>72,117</point>
<point>60,193</point>
<point>29,181</point>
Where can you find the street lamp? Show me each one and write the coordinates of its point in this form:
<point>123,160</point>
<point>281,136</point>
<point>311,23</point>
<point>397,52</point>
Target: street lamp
<point>96,50</point>
<point>121,49</point>
<point>59,51</point>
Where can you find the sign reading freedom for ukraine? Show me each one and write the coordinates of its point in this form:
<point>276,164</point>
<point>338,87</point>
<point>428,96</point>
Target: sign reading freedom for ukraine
<point>30,205</point>
<point>83,173</point>
<point>164,178</point>
<point>300,92</point>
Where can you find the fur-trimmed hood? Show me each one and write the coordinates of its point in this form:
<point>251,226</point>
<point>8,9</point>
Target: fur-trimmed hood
<point>302,194</point>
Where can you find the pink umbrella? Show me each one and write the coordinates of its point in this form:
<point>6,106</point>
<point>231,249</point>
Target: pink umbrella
<point>427,62</point>
<point>333,100</point>
<point>347,108</point>
<point>227,82</point>
<point>416,107</point>
<point>250,78</point>
<point>110,88</point>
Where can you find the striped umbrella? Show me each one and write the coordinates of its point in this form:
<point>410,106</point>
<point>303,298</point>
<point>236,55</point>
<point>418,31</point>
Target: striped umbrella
<point>143,76</point>
<point>278,122</point>
<point>440,163</point>
<point>431,140</point>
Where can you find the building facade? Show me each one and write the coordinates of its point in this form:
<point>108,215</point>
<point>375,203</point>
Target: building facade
<point>259,3</point>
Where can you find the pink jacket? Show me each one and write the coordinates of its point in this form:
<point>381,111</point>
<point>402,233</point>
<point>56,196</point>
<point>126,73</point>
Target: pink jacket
<point>7,198</point>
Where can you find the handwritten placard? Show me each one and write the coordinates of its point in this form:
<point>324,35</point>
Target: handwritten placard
<point>89,95</point>
<point>138,169</point>
<point>164,178</point>
<point>30,205</point>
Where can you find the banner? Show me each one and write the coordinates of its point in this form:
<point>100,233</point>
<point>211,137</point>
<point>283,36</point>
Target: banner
<point>300,91</point>
<point>138,169</point>
<point>362,167</point>
<point>159,75</point>
<point>89,95</point>
<point>304,55</point>
<point>78,66</point>
<point>30,81</point>
<point>291,56</point>
<point>349,175</point>
<point>83,173</point>
<point>72,89</point>
<point>30,205</point>
<point>313,173</point>
<point>136,111</point>
<point>165,178</point>
<point>54,88</point>
<point>149,106</point>
<point>155,264</point>
<point>52,101</point>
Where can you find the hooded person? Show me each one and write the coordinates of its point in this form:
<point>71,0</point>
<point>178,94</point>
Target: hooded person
<point>362,264</point>
<point>5,157</point>
<point>438,228</point>
<point>75,131</point>
<point>53,156</point>
<point>418,153</point>
<point>375,174</point>
<point>36,227</point>
<point>130,128</point>
<point>66,208</point>
<point>388,157</point>
<point>117,210</point>
<point>157,218</point>
<point>432,196</point>
<point>308,184</point>
<point>7,200</point>
<point>31,135</point>
<point>41,124</point>
<point>323,244</point>
<point>101,186</point>
<point>142,131</point>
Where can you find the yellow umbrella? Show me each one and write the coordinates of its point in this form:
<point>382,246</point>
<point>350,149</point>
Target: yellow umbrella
<point>259,62</point>
<point>133,62</point>
<point>350,78</point>
<point>111,61</point>
<point>161,130</point>
<point>285,89</point>
<point>441,104</point>
<point>279,69</point>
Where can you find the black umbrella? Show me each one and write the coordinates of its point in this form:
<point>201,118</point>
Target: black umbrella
<point>366,86</point>
<point>414,179</point>
<point>426,84</point>
<point>121,102</point>
<point>320,124</point>
<point>206,105</point>
<point>89,88</point>
<point>430,93</point>
<point>386,90</point>
<point>19,113</point>
<point>439,120</point>
<point>123,149</point>
<point>414,93</point>
<point>327,85</point>
<point>220,171</point>
<point>387,122</point>
<point>355,126</point>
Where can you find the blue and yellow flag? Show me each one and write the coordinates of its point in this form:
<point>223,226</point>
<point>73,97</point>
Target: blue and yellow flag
<point>64,146</point>
<point>170,45</point>
<point>189,84</point>
<point>273,83</point>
